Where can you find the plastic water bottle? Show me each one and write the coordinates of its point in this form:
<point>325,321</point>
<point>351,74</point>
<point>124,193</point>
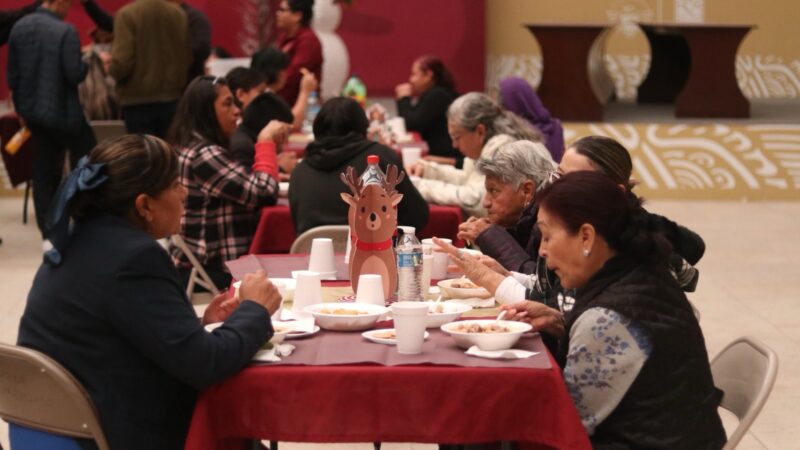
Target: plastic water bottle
<point>373,173</point>
<point>355,89</point>
<point>409,267</point>
<point>312,109</point>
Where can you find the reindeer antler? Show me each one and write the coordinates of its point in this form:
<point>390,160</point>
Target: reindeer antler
<point>352,181</point>
<point>393,178</point>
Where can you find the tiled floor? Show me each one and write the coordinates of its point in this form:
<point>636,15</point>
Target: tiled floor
<point>749,285</point>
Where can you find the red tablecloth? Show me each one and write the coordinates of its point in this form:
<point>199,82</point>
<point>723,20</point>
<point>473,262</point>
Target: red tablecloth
<point>19,165</point>
<point>275,232</point>
<point>370,403</point>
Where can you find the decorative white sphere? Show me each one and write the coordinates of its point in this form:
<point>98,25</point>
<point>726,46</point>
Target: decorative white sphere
<point>336,60</point>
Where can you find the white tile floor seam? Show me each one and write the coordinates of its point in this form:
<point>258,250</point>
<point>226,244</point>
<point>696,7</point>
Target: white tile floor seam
<point>749,285</point>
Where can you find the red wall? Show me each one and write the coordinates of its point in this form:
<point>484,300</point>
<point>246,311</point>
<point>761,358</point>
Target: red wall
<point>383,36</point>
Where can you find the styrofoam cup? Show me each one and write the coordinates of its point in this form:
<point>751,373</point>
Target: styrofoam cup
<point>411,155</point>
<point>440,260</point>
<point>321,257</point>
<point>308,292</point>
<point>370,289</point>
<point>409,326</point>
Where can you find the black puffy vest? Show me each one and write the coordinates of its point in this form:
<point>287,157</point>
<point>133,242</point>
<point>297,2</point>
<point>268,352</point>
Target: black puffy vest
<point>673,403</point>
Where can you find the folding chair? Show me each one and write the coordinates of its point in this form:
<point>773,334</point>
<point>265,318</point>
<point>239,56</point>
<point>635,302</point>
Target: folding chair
<point>745,370</point>
<point>338,233</point>
<point>39,394</point>
<point>198,275</point>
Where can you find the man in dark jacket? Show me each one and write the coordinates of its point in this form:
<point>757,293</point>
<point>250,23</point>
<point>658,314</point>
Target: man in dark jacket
<point>44,71</point>
<point>340,141</point>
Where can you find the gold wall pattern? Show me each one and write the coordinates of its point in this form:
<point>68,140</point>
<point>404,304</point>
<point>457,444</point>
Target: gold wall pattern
<point>714,161</point>
<point>759,76</point>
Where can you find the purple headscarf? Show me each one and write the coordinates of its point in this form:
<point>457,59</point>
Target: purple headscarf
<point>517,96</point>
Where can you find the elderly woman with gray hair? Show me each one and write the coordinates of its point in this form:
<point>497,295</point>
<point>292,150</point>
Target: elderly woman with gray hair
<point>512,176</point>
<point>478,126</point>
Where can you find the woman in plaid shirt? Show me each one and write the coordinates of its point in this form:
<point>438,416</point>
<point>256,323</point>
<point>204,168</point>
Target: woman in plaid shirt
<point>224,195</point>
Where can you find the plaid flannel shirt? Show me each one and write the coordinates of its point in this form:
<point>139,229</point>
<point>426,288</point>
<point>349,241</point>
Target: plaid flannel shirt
<point>222,204</point>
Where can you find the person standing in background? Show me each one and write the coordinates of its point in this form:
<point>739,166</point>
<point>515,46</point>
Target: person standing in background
<point>44,70</point>
<point>150,60</point>
<point>300,44</point>
<point>199,31</point>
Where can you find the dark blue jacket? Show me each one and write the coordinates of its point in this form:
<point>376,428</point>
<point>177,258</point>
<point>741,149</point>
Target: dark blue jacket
<point>115,315</point>
<point>45,69</point>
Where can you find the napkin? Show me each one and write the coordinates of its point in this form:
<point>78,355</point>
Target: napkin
<point>500,354</point>
<point>303,325</point>
<point>274,354</point>
<point>474,302</point>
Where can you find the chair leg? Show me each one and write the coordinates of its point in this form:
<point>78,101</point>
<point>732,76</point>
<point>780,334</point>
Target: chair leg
<point>273,445</point>
<point>25,203</point>
<point>376,445</point>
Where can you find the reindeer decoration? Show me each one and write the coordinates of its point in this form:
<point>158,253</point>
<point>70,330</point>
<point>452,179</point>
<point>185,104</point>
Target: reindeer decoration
<point>373,220</point>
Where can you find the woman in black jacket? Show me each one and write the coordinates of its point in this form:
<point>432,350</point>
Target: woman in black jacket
<point>433,88</point>
<point>314,191</point>
<point>632,352</point>
<point>109,306</point>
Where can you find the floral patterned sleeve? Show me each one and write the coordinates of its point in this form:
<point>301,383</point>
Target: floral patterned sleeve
<point>606,353</point>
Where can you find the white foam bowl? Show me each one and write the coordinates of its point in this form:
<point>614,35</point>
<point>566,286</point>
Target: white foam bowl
<point>456,292</point>
<point>450,312</point>
<point>327,320</point>
<point>487,341</point>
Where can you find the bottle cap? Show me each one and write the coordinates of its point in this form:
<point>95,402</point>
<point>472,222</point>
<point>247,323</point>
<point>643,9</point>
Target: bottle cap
<point>373,159</point>
<point>407,229</point>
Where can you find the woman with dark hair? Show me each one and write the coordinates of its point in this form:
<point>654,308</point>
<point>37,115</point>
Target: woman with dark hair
<point>423,103</point>
<point>273,64</point>
<point>517,96</point>
<point>609,157</point>
<point>224,195</point>
<point>632,352</point>
<point>299,42</point>
<point>108,304</point>
<point>340,132</point>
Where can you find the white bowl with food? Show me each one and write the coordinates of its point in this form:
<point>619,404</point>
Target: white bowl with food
<point>346,316</point>
<point>487,334</point>
<point>440,313</point>
<point>462,288</point>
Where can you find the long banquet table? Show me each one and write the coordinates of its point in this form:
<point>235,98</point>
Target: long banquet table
<point>373,403</point>
<point>275,231</point>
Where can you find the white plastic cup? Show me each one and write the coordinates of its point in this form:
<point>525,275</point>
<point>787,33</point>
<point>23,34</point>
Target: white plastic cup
<point>370,289</point>
<point>427,270</point>
<point>308,292</point>
<point>321,258</point>
<point>409,326</point>
<point>411,155</point>
<point>440,260</point>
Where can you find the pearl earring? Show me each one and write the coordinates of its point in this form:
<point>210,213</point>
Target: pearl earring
<point>586,252</point>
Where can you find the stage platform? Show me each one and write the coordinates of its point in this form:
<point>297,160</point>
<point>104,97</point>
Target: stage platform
<point>707,159</point>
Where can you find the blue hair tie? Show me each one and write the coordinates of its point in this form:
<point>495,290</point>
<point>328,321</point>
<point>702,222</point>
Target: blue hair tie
<point>85,177</point>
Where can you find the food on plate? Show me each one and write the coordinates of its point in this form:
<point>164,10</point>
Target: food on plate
<point>279,329</point>
<point>388,334</point>
<point>464,284</point>
<point>478,328</point>
<point>343,312</point>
